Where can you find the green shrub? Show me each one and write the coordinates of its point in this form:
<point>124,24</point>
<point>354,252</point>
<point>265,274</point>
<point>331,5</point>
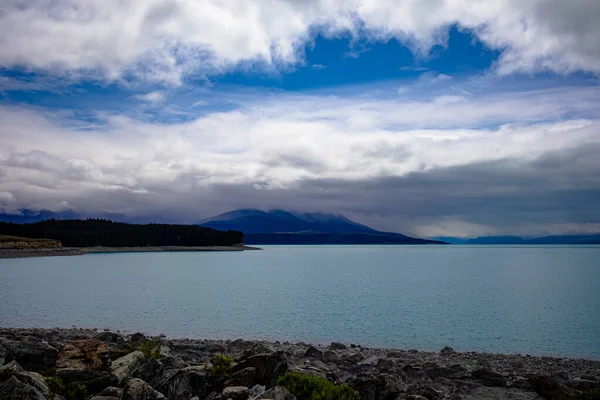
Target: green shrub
<point>72,391</point>
<point>221,366</point>
<point>151,349</point>
<point>309,387</point>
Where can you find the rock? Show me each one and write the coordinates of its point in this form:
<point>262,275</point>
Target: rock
<point>185,383</point>
<point>156,371</point>
<point>376,387</point>
<point>313,352</point>
<point>213,396</point>
<point>105,398</point>
<point>278,393</point>
<point>137,389</point>
<point>447,351</point>
<point>455,371</point>
<point>244,377</point>
<point>111,391</point>
<point>30,378</point>
<point>236,393</point>
<point>124,366</point>
<point>385,365</point>
<point>256,390</point>
<point>372,361</point>
<point>33,354</point>
<point>337,346</point>
<point>108,337</point>
<point>549,388</point>
<point>589,377</point>
<point>268,367</point>
<point>583,385</point>
<point>138,338</point>
<point>95,381</point>
<point>84,355</point>
<point>489,377</point>
<point>330,357</point>
<point>496,393</point>
<point>13,389</point>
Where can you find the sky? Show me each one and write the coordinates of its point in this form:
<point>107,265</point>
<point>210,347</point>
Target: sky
<point>430,117</point>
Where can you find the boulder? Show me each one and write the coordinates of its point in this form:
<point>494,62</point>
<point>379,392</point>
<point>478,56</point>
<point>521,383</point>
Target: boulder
<point>30,378</point>
<point>549,388</point>
<point>111,391</point>
<point>256,391</point>
<point>496,393</point>
<point>84,355</point>
<point>278,393</point>
<point>137,389</point>
<point>185,383</point>
<point>108,337</point>
<point>488,377</point>
<point>313,352</point>
<point>95,381</point>
<point>236,393</point>
<point>156,371</point>
<point>14,389</point>
<point>32,353</point>
<point>244,377</point>
<point>447,351</point>
<point>138,338</point>
<point>583,385</point>
<point>376,386</point>
<point>124,366</point>
<point>337,346</point>
<point>268,367</point>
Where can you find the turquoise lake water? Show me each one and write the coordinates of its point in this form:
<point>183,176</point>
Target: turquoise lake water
<point>529,300</point>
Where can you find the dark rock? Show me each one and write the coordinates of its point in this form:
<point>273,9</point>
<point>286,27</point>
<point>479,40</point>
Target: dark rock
<point>30,378</point>
<point>107,337</point>
<point>313,352</point>
<point>561,376</point>
<point>330,357</point>
<point>447,351</point>
<point>236,393</point>
<point>32,353</point>
<point>138,338</point>
<point>489,378</point>
<point>589,377</point>
<point>278,393</point>
<point>185,383</point>
<point>337,346</point>
<point>124,366</point>
<point>244,377</point>
<point>213,396</point>
<point>583,385</point>
<point>111,391</point>
<point>156,371</point>
<point>268,367</point>
<point>549,388</point>
<point>13,389</point>
<point>495,393</point>
<point>137,389</point>
<point>95,381</point>
<point>385,365</point>
<point>376,387</point>
<point>84,355</point>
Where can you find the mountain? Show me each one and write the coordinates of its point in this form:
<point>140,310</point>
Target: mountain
<point>286,227</point>
<point>516,240</point>
<point>26,216</point>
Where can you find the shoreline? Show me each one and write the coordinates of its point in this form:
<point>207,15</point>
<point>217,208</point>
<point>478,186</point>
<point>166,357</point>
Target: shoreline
<point>79,251</point>
<point>375,373</point>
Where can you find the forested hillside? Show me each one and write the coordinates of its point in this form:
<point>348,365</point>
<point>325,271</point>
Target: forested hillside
<point>100,232</point>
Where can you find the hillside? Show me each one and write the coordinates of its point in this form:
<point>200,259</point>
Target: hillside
<point>518,240</point>
<point>98,232</point>
<point>16,242</point>
<point>286,227</point>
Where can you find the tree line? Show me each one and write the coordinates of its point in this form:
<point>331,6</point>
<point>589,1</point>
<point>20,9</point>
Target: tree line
<point>101,232</point>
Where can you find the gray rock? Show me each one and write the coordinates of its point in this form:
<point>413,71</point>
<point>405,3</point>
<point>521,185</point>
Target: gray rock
<point>137,389</point>
<point>108,337</point>
<point>256,390</point>
<point>583,385</point>
<point>278,393</point>
<point>154,372</point>
<point>138,338</point>
<point>489,377</point>
<point>185,383</point>
<point>268,367</point>
<point>95,381</point>
<point>32,353</point>
<point>447,351</point>
<point>337,346</point>
<point>13,389</point>
<point>376,386</point>
<point>30,378</point>
<point>111,391</point>
<point>244,377</point>
<point>105,398</point>
<point>236,393</point>
<point>495,393</point>
<point>124,366</point>
<point>313,352</point>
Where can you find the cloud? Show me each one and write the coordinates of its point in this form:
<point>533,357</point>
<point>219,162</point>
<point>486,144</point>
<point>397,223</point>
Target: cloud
<point>169,40</point>
<point>413,68</point>
<point>152,97</point>
<point>319,66</point>
<point>513,162</point>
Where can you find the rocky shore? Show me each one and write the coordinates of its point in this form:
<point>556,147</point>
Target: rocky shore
<point>78,251</point>
<point>79,363</point>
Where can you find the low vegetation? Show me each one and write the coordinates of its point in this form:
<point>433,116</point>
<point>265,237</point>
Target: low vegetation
<point>150,349</point>
<point>17,242</point>
<point>71,391</point>
<point>309,387</point>
<point>221,365</point>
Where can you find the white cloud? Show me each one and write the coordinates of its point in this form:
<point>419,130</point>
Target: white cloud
<point>152,97</point>
<point>165,40</point>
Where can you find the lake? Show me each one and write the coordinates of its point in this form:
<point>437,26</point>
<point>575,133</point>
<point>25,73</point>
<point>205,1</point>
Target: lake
<point>542,300</point>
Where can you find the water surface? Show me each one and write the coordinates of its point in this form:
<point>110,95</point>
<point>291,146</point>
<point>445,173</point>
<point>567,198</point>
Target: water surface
<point>536,299</point>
